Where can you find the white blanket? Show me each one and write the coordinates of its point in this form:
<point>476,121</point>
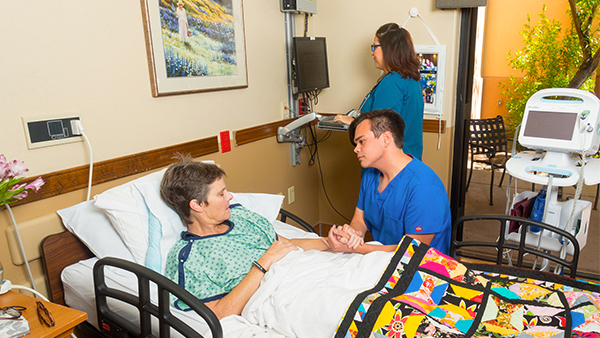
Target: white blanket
<point>306,294</point>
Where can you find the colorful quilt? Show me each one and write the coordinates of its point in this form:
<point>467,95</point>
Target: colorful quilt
<point>424,293</point>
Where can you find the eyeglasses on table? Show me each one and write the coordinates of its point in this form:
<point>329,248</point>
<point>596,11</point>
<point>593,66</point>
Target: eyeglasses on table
<point>12,312</point>
<point>44,315</point>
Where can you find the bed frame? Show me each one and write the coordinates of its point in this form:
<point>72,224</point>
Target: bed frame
<point>64,249</point>
<point>59,251</point>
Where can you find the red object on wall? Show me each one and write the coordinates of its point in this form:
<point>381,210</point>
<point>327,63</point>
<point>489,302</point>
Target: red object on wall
<point>225,141</point>
<point>302,107</point>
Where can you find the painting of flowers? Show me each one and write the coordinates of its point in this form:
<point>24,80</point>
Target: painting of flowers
<point>195,45</point>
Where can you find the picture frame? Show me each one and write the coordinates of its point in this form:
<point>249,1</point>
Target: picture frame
<point>206,54</point>
<point>433,68</point>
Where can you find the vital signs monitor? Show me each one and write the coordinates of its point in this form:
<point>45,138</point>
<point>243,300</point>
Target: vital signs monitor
<point>561,120</point>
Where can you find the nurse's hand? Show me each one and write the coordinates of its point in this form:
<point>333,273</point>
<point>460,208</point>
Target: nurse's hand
<point>345,119</point>
<point>343,239</point>
<point>353,238</point>
<point>276,251</point>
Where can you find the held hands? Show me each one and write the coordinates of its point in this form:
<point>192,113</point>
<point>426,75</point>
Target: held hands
<point>344,238</point>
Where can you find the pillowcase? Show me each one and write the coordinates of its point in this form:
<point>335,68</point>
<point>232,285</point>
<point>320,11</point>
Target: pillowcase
<point>266,205</point>
<point>128,214</point>
<point>164,224</point>
<point>91,225</point>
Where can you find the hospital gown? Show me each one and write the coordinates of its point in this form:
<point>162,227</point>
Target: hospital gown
<point>209,267</point>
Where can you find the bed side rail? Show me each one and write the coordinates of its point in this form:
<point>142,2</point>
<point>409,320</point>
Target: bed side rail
<point>501,243</point>
<point>284,215</point>
<point>113,325</point>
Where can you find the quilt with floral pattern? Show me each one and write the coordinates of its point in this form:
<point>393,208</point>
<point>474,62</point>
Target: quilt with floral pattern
<point>424,293</point>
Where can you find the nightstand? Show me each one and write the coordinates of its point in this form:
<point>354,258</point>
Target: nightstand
<point>65,318</point>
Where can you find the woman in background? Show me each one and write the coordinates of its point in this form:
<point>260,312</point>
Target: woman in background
<point>398,88</point>
<point>182,20</point>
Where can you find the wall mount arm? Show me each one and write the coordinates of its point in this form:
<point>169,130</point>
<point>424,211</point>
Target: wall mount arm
<point>288,134</point>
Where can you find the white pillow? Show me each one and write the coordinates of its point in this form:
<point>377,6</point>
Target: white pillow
<point>125,207</point>
<point>91,225</point>
<point>266,205</point>
<point>170,222</point>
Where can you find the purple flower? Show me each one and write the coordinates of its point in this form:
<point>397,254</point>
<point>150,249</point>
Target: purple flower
<point>3,170</point>
<point>36,184</point>
<point>21,195</point>
<point>17,168</point>
<point>17,187</point>
<point>11,174</point>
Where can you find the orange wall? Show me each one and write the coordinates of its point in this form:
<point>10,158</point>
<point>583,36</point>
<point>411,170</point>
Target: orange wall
<point>504,20</point>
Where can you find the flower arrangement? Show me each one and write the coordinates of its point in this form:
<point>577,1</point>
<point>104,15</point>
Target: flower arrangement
<point>11,173</point>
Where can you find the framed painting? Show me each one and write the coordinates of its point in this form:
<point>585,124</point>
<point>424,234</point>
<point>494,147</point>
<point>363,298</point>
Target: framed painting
<point>433,67</point>
<point>194,45</point>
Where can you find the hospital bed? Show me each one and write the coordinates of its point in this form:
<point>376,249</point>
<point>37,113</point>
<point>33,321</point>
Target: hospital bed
<point>306,294</point>
<point>65,251</point>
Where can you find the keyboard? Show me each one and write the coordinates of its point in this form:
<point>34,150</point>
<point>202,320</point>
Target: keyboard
<point>327,123</point>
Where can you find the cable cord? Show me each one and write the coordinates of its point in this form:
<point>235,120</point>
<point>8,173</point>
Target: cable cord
<point>305,24</point>
<point>87,141</point>
<point>569,226</point>
<point>12,217</point>
<point>35,292</point>
<point>323,181</point>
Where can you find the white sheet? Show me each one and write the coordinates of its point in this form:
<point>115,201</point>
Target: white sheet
<point>303,295</point>
<point>307,293</point>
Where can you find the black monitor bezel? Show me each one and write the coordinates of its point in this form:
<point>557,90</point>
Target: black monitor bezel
<point>297,67</point>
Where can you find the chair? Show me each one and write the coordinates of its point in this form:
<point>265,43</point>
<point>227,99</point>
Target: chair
<point>488,137</point>
<point>494,235</point>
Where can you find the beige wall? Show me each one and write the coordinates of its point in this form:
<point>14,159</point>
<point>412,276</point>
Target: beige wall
<point>90,58</point>
<point>504,20</point>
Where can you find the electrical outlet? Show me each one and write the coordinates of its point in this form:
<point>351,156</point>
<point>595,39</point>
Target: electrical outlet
<point>50,130</point>
<point>291,195</point>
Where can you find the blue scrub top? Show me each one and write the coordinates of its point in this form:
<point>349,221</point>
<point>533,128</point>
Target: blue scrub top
<point>414,202</point>
<point>405,97</point>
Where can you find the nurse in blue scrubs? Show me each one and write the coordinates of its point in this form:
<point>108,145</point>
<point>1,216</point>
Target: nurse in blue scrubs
<point>398,88</point>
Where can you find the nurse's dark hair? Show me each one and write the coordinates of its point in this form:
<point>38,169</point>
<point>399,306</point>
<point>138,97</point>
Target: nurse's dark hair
<point>187,180</point>
<point>398,51</point>
<point>381,121</point>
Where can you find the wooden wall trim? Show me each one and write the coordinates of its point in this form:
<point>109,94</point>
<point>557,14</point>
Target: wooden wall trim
<point>72,179</point>
<point>257,133</point>
<point>433,126</point>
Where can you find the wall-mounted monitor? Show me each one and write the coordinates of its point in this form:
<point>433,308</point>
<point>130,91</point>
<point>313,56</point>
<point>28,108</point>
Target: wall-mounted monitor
<point>310,64</point>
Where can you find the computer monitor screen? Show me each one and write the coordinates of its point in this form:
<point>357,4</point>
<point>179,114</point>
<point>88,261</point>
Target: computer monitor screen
<point>310,55</point>
<point>550,125</point>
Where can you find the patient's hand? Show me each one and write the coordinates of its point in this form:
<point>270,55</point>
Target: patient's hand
<point>343,238</point>
<point>276,251</point>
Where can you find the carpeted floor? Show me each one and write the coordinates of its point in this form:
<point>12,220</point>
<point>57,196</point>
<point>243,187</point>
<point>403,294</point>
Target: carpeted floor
<point>477,203</point>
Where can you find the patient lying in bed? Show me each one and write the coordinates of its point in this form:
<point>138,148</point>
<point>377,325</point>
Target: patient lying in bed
<point>226,250</point>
